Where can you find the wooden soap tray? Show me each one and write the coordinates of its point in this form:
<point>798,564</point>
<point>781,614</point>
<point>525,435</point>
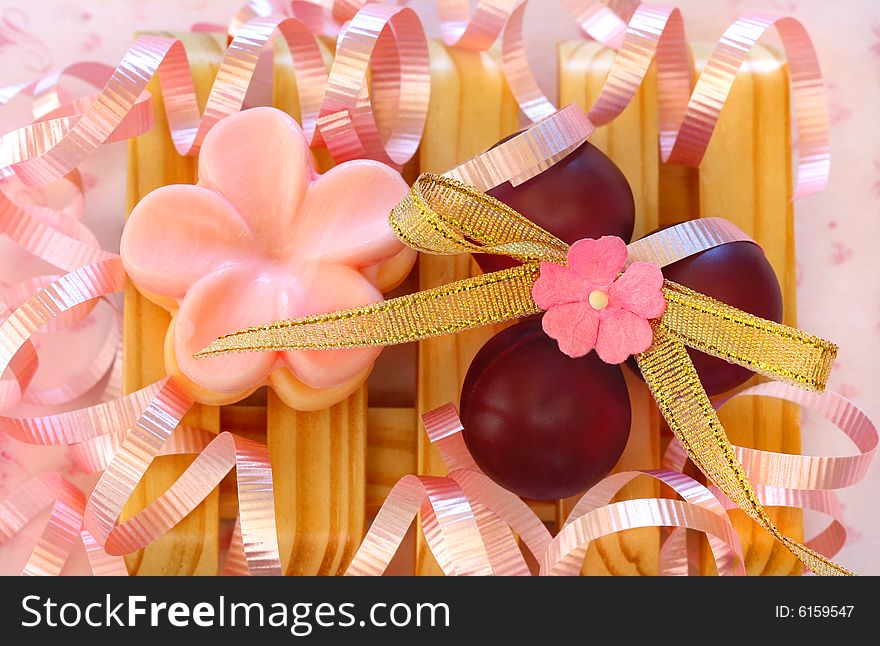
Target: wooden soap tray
<point>333,468</point>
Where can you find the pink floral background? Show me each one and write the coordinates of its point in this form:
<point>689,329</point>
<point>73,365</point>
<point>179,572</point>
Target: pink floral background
<point>837,230</point>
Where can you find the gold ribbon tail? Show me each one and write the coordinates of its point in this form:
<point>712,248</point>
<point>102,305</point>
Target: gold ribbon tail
<point>673,381</point>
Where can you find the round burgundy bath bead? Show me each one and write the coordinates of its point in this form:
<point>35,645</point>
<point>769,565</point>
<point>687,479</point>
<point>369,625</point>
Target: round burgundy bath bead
<point>539,423</point>
<point>738,274</point>
<point>583,195</point>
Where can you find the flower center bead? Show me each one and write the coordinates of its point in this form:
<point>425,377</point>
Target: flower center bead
<point>598,300</point>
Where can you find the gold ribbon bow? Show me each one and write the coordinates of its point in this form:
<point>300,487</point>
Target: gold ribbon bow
<point>441,215</point>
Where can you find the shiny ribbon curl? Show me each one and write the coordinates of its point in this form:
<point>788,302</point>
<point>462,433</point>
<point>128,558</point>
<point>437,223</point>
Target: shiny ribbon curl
<point>799,481</point>
<point>687,117</point>
<point>63,150</point>
<point>226,451</point>
<point>443,216</point>
<point>640,33</point>
<point>53,234</point>
<point>102,439</point>
<point>482,518</point>
<point>479,500</point>
<point>349,119</point>
<point>62,530</point>
<point>388,40</point>
<point>391,43</point>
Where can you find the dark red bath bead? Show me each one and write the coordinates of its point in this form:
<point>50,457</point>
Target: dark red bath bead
<point>738,274</point>
<point>583,195</point>
<point>539,423</point>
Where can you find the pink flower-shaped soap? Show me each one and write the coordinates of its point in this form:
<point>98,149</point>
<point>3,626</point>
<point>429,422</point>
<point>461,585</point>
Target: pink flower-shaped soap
<point>590,307</point>
<point>263,237</point>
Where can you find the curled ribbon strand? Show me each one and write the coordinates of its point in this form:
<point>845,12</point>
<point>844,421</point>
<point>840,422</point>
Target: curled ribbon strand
<point>62,529</point>
<point>152,414</point>
<point>391,42</point>
<point>152,55</point>
<point>476,501</point>
<point>687,118</point>
<point>804,482</point>
<point>137,451</point>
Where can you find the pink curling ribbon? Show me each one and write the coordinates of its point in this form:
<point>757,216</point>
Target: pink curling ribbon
<point>90,375</point>
<point>153,55</point>
<point>481,518</point>
<point>19,372</point>
<point>352,126</point>
<point>688,119</point>
<point>391,42</point>
<point>152,415</point>
<point>62,529</point>
<point>390,39</point>
<point>803,481</point>
<point>317,16</point>
<point>527,154</point>
<point>226,451</point>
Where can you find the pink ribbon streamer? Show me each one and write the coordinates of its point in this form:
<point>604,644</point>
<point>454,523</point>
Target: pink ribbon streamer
<point>527,154</point>
<point>153,55</point>
<point>226,451</point>
<point>62,529</point>
<point>481,517</point>
<point>803,481</point>
<point>390,42</point>
<point>152,415</point>
<point>687,118</point>
<point>477,499</point>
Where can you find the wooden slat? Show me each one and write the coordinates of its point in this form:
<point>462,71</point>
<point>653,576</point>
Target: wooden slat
<point>746,178</point>
<point>318,458</point>
<point>470,110</point>
<point>318,461</point>
<point>391,451</point>
<point>631,142</point>
<point>192,546</point>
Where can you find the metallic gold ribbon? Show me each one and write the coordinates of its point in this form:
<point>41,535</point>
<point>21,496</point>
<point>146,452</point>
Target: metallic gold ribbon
<point>443,216</point>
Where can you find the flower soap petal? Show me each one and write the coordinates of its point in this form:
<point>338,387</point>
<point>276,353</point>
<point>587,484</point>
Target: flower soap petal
<point>260,160</point>
<point>558,285</point>
<point>225,302</point>
<point>640,290</point>
<point>178,234</point>
<point>322,289</point>
<point>574,326</point>
<point>622,334</point>
<point>344,217</point>
<point>598,261</point>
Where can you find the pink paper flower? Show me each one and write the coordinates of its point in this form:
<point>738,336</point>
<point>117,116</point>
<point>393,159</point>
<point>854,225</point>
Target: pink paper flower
<point>590,307</point>
<point>263,237</point>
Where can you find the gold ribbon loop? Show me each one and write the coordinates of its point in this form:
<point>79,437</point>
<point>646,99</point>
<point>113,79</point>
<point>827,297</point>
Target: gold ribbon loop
<point>440,215</point>
<point>765,347</point>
